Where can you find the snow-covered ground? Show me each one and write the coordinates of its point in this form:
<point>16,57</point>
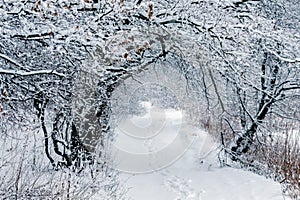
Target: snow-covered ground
<point>196,175</point>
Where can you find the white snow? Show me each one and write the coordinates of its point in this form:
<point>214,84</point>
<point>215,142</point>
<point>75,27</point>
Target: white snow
<point>196,175</point>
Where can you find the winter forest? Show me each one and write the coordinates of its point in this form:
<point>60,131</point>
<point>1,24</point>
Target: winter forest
<point>139,99</point>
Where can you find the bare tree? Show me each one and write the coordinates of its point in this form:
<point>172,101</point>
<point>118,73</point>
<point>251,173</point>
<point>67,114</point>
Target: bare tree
<point>238,45</point>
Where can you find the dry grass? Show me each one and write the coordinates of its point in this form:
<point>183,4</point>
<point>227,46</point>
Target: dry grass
<point>25,173</point>
<point>281,156</point>
<point>275,154</point>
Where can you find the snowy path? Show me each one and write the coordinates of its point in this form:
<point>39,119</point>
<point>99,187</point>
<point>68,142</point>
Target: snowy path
<point>192,178</point>
<point>188,179</point>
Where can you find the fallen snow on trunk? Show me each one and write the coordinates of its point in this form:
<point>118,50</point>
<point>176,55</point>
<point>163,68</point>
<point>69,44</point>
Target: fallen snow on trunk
<point>196,175</point>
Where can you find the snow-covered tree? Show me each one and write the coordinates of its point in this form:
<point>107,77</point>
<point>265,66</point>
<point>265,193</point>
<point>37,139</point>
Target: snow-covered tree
<point>243,55</point>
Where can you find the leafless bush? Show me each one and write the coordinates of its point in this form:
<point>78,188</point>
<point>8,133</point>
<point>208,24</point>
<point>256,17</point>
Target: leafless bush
<point>26,174</point>
<point>281,156</point>
<point>274,154</point>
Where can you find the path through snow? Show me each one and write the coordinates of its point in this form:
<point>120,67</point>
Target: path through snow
<point>196,175</point>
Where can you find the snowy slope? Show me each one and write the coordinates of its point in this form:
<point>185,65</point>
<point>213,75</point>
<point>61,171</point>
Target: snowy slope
<point>196,174</point>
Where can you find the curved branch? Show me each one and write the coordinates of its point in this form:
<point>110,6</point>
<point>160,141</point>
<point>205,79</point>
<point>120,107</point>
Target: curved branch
<point>40,105</point>
<point>12,61</point>
<point>31,73</point>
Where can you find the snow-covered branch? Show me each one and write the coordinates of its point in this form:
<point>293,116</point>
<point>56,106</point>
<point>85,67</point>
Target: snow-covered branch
<point>289,60</point>
<point>12,61</point>
<point>31,73</point>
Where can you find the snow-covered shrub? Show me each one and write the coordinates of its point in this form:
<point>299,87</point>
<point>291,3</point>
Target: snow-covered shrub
<point>25,173</point>
<point>274,155</point>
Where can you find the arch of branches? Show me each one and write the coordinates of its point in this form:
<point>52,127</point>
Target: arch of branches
<point>100,98</point>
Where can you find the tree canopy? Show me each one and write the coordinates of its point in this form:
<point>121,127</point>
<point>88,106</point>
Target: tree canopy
<point>244,55</point>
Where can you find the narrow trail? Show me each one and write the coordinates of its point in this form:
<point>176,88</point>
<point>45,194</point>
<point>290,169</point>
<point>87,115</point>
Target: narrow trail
<point>196,175</point>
